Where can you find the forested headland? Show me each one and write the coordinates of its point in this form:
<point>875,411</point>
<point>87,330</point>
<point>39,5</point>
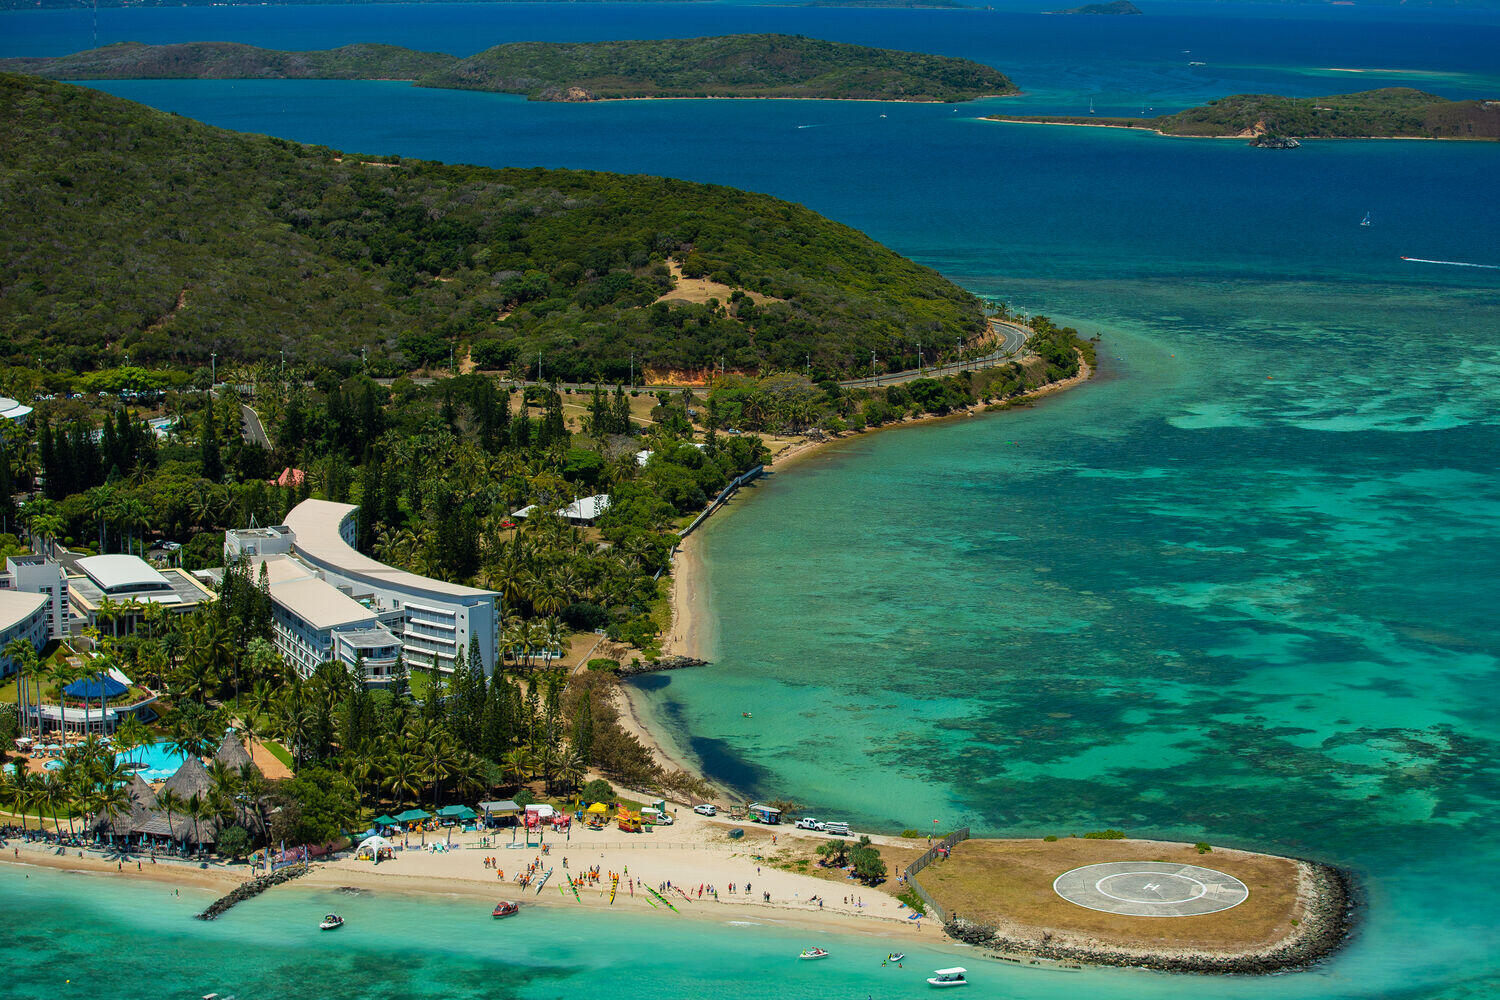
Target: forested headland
<point>780,66</point>
<point>136,234</point>
<point>1389,113</point>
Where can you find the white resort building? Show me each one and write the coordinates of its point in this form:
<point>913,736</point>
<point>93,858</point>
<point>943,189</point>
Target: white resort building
<point>22,616</point>
<point>40,575</point>
<point>129,583</point>
<point>333,602</point>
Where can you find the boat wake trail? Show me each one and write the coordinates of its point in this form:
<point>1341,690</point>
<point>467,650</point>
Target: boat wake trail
<point>1452,263</point>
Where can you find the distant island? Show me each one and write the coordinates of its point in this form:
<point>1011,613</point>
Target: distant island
<point>779,66</point>
<point>907,4</point>
<point>1276,122</point>
<point>233,61</point>
<point>1118,7</point>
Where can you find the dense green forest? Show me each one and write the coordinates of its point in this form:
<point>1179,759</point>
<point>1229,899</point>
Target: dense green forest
<point>132,233</point>
<point>731,66</point>
<point>232,61</point>
<point>727,66</point>
<point>1391,113</point>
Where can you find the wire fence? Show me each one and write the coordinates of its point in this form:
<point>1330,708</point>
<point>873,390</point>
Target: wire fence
<point>933,853</point>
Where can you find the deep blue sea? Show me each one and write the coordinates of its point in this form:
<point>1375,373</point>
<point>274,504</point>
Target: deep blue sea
<point>1240,588</point>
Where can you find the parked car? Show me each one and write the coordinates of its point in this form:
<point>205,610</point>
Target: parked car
<point>706,809</point>
<point>808,823</point>
<point>842,829</point>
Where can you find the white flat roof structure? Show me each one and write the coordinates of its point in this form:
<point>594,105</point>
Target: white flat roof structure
<point>321,604</point>
<point>316,525</point>
<point>12,410</point>
<point>18,605</point>
<point>121,573</point>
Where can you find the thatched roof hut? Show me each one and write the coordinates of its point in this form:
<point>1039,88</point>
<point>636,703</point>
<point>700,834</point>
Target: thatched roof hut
<point>232,752</point>
<point>142,802</point>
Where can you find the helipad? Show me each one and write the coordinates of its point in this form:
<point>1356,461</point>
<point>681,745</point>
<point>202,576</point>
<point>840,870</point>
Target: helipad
<point>1151,889</point>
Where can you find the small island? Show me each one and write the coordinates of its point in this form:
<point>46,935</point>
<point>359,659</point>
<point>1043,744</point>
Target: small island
<point>1117,7</point>
<point>767,66</point>
<point>1273,122</point>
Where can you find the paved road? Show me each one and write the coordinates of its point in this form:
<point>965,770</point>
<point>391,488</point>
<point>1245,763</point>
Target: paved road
<point>253,429</point>
<point>1010,347</point>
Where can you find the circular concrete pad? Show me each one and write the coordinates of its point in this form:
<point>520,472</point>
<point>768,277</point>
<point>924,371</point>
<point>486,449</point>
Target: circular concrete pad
<point>1151,889</point>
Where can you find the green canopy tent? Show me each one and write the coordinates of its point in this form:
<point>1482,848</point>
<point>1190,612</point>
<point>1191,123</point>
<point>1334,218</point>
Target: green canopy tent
<point>457,812</point>
<point>385,821</point>
<point>412,816</point>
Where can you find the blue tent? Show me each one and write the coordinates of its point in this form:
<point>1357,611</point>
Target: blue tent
<point>95,687</point>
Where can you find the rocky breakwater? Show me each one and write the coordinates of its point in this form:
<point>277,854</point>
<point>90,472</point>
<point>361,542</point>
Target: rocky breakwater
<point>247,890</point>
<point>1326,916</point>
<point>658,665</point>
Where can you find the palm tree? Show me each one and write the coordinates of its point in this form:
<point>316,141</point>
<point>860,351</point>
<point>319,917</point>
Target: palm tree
<point>169,802</point>
<point>200,808</point>
<point>110,800</point>
<point>132,733</point>
<point>55,792</point>
<point>516,763</point>
<point>403,772</point>
<point>23,654</point>
<point>21,789</point>
<point>571,769</point>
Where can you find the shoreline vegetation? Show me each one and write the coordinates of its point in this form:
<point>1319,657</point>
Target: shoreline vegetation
<point>786,67</point>
<point>1279,122</point>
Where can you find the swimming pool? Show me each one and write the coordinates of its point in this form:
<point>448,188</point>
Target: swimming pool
<point>158,762</point>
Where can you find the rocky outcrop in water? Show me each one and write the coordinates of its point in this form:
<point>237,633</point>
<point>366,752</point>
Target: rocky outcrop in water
<point>250,889</point>
<point>1328,916</point>
<point>1268,141</point>
<point>656,666</point>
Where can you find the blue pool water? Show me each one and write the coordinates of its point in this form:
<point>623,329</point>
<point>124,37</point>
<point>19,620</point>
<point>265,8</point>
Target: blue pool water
<point>160,761</point>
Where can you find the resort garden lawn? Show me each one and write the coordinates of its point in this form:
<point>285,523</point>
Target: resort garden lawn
<point>1008,884</point>
<point>278,751</point>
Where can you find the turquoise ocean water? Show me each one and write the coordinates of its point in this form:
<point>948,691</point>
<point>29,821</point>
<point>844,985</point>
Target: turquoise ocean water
<point>1240,588</point>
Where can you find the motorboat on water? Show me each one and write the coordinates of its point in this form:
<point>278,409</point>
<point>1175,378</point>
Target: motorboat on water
<point>331,922</point>
<point>505,908</point>
<point>948,977</point>
<point>896,956</point>
<point>809,954</point>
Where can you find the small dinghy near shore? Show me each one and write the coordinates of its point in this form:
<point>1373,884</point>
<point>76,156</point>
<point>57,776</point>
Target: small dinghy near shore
<point>331,922</point>
<point>810,954</point>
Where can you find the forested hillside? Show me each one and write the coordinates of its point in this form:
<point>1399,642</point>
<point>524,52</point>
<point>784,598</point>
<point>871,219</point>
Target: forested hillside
<point>134,232</point>
<point>726,66</point>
